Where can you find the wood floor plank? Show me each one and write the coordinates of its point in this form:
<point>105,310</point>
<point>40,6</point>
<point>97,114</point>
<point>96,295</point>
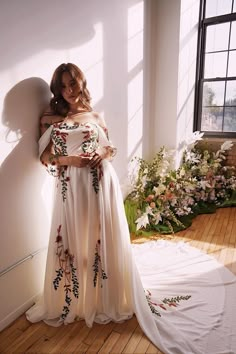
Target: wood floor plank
<point>120,327</point>
<point>26,339</point>
<point>75,342</point>
<point>50,339</point>
<point>142,345</point>
<point>134,341</point>
<point>13,331</point>
<point>96,329</point>
<point>125,335</point>
<point>81,349</point>
<point>153,350</point>
<point>109,343</point>
<point>60,343</point>
<point>101,338</point>
<point>7,340</point>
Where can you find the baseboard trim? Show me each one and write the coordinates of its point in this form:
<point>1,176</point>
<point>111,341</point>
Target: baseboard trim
<point>5,322</point>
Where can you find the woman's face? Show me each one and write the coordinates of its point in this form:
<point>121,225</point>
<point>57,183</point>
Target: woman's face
<point>70,89</point>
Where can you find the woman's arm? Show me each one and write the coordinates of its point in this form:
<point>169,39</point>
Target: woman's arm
<point>105,152</point>
<point>48,157</point>
<point>48,118</point>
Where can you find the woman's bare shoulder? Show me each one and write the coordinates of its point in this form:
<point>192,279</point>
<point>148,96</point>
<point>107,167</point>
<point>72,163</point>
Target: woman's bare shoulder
<point>48,118</point>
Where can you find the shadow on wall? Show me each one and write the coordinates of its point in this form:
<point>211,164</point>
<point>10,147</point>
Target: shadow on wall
<point>21,175</point>
<point>33,26</point>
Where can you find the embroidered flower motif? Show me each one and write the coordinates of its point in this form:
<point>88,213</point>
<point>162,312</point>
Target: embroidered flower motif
<point>68,271</point>
<point>165,303</point>
<point>59,140</point>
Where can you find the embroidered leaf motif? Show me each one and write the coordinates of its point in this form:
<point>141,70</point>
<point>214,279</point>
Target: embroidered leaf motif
<point>64,181</point>
<point>68,271</point>
<point>59,141</point>
<point>75,282</point>
<point>174,301</point>
<point>97,266</point>
<point>95,182</point>
<point>58,278</point>
<point>151,304</point>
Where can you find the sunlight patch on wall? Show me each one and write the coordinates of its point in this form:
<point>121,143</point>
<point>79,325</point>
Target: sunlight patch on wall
<point>89,57</point>
<point>187,71</point>
<point>135,35</point>
<point>135,86</point>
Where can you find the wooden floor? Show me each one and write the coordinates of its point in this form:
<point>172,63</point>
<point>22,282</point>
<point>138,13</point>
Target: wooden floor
<point>212,233</point>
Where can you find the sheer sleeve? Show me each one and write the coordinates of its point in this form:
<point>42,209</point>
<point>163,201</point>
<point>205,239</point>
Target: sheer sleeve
<point>105,142</point>
<point>44,142</point>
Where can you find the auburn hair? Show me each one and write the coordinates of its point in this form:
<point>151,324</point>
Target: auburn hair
<point>58,104</point>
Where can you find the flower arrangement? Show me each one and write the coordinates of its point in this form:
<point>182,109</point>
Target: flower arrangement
<point>165,200</point>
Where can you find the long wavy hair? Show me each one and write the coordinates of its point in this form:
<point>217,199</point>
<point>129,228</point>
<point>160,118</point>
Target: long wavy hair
<point>58,104</point>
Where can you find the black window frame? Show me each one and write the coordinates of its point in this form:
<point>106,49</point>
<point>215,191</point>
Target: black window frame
<point>202,29</point>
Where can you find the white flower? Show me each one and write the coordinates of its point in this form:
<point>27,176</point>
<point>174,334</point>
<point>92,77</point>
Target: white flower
<point>205,184</point>
<point>157,218</point>
<point>149,210</point>
<point>143,221</point>
<point>193,138</point>
<point>182,172</point>
<point>227,145</point>
<point>192,157</point>
<point>189,187</point>
<point>144,181</point>
<point>160,189</point>
<point>167,154</point>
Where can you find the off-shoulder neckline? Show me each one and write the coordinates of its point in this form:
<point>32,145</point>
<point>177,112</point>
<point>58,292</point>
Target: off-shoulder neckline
<point>75,123</point>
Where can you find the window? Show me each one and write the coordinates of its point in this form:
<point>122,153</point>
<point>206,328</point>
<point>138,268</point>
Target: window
<point>215,97</point>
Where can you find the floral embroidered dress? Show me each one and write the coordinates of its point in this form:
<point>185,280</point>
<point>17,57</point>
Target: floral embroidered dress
<point>183,299</point>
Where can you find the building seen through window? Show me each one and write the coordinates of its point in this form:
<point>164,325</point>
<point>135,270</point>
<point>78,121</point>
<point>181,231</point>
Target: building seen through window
<point>215,100</point>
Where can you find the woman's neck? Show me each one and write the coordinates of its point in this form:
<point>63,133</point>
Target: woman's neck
<point>77,108</point>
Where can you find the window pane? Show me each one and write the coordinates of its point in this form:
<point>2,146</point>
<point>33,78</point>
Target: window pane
<point>217,37</point>
<point>213,93</point>
<point>215,65</point>
<point>230,99</point>
<point>218,7</point>
<point>212,119</point>
<point>234,9</point>
<point>233,35</point>
<point>230,119</point>
<point>232,66</point>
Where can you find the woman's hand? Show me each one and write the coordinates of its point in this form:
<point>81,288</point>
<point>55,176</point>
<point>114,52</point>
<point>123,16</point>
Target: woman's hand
<point>79,161</point>
<point>96,160</point>
<point>101,154</point>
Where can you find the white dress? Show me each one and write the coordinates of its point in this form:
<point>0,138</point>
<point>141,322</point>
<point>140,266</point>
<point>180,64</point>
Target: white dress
<point>183,299</point>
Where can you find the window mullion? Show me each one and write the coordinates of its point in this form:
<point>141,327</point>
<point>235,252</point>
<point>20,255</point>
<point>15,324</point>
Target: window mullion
<point>227,66</point>
<point>202,65</point>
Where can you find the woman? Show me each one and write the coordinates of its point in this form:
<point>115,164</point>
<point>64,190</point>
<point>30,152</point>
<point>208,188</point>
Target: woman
<point>91,273</point>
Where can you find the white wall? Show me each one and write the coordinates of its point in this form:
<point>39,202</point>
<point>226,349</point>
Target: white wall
<point>173,49</point>
<point>187,71</point>
<point>165,19</point>
<point>100,37</point>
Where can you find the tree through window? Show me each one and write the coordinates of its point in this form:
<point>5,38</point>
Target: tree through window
<point>215,100</point>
